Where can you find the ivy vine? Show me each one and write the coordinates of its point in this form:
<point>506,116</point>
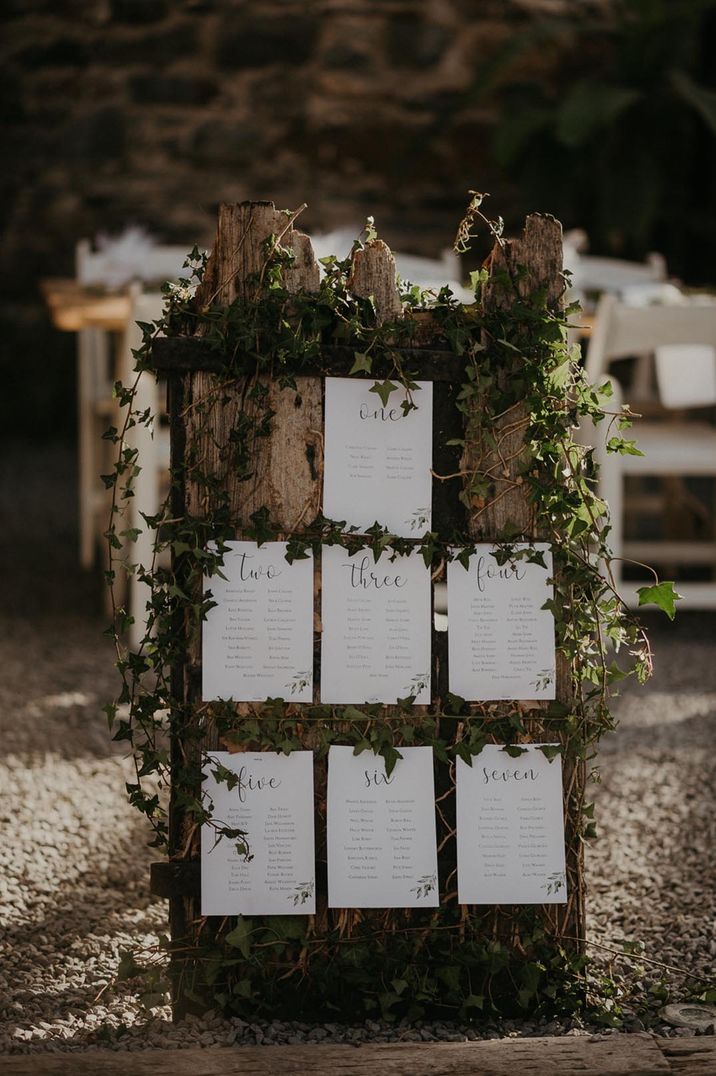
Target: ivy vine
<point>452,961</point>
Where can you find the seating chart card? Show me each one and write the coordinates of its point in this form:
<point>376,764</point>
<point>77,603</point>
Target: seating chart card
<point>378,459</point>
<point>381,830</point>
<point>510,829</point>
<point>375,644</point>
<point>258,639</point>
<point>500,639</point>
<point>271,800</point>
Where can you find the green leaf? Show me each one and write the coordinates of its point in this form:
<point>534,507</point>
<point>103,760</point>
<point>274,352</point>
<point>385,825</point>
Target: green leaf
<point>243,989</point>
<point>623,447</point>
<point>289,927</point>
<point>550,750</point>
<point>514,750</point>
<point>363,362</point>
<point>239,937</point>
<point>384,389</point>
<point>352,713</point>
<point>662,594</point>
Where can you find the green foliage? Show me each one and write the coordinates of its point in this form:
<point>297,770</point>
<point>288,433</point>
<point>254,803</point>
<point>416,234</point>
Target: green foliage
<point>618,137</point>
<point>661,594</point>
<point>453,961</point>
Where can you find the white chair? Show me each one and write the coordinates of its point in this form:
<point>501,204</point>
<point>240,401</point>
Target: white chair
<point>594,274</point>
<point>682,340</point>
<point>152,444</point>
<point>94,409</point>
<point>117,262</point>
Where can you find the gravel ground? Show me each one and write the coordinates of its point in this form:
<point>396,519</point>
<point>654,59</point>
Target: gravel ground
<point>73,863</point>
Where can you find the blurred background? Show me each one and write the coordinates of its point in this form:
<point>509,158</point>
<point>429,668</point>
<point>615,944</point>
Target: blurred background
<point>129,119</point>
<point>151,112</point>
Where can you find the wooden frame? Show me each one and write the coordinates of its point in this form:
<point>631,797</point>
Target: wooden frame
<point>288,478</point>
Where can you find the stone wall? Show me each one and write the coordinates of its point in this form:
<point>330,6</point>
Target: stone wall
<point>153,111</point>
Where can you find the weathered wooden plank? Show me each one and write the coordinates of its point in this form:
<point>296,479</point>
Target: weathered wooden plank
<point>171,354</point>
<point>531,264</point>
<point>538,256</point>
<point>373,277</point>
<point>626,1055</point>
<point>692,1055</point>
<point>285,467</point>
<point>171,878</point>
<point>208,417</point>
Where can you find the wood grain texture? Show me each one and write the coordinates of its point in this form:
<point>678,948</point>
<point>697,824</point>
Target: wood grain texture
<point>533,263</point>
<point>690,1055</point>
<point>539,253</point>
<point>241,249</point>
<point>286,466</point>
<point>373,276</point>
<point>207,418</point>
<point>619,1055</point>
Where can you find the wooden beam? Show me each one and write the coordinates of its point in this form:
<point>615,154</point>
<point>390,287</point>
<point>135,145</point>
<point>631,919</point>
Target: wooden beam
<point>620,1055</point>
<point>189,354</point>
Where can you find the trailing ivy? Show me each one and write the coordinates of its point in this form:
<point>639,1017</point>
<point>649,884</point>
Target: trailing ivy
<point>451,961</point>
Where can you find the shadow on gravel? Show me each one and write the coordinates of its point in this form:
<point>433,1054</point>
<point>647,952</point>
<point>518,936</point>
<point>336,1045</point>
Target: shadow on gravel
<point>66,947</point>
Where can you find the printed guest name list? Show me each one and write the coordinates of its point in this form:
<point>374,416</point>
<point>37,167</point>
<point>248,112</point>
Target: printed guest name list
<point>375,644</point>
<point>381,830</point>
<point>258,640</point>
<point>378,458</point>
<point>269,798</point>
<point>510,828</point>
<point>500,639</point>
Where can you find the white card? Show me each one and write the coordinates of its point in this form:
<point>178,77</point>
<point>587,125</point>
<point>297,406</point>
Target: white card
<point>375,643</point>
<point>272,801</point>
<point>257,641</point>
<point>382,850</point>
<point>377,465</point>
<point>510,829</point>
<point>500,640</point>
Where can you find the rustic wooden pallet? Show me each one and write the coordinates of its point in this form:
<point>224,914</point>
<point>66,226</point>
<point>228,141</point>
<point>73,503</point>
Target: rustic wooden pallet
<point>598,1055</point>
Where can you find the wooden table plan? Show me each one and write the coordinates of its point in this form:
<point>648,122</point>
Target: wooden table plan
<point>287,487</point>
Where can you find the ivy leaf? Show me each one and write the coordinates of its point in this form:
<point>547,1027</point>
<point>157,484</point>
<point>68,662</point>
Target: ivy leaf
<point>289,927</point>
<point>363,362</point>
<point>455,704</point>
<point>550,750</point>
<point>352,713</point>
<point>623,447</point>
<point>239,937</point>
<point>384,389</point>
<point>514,750</point>
<point>662,594</point>
<point>390,756</point>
